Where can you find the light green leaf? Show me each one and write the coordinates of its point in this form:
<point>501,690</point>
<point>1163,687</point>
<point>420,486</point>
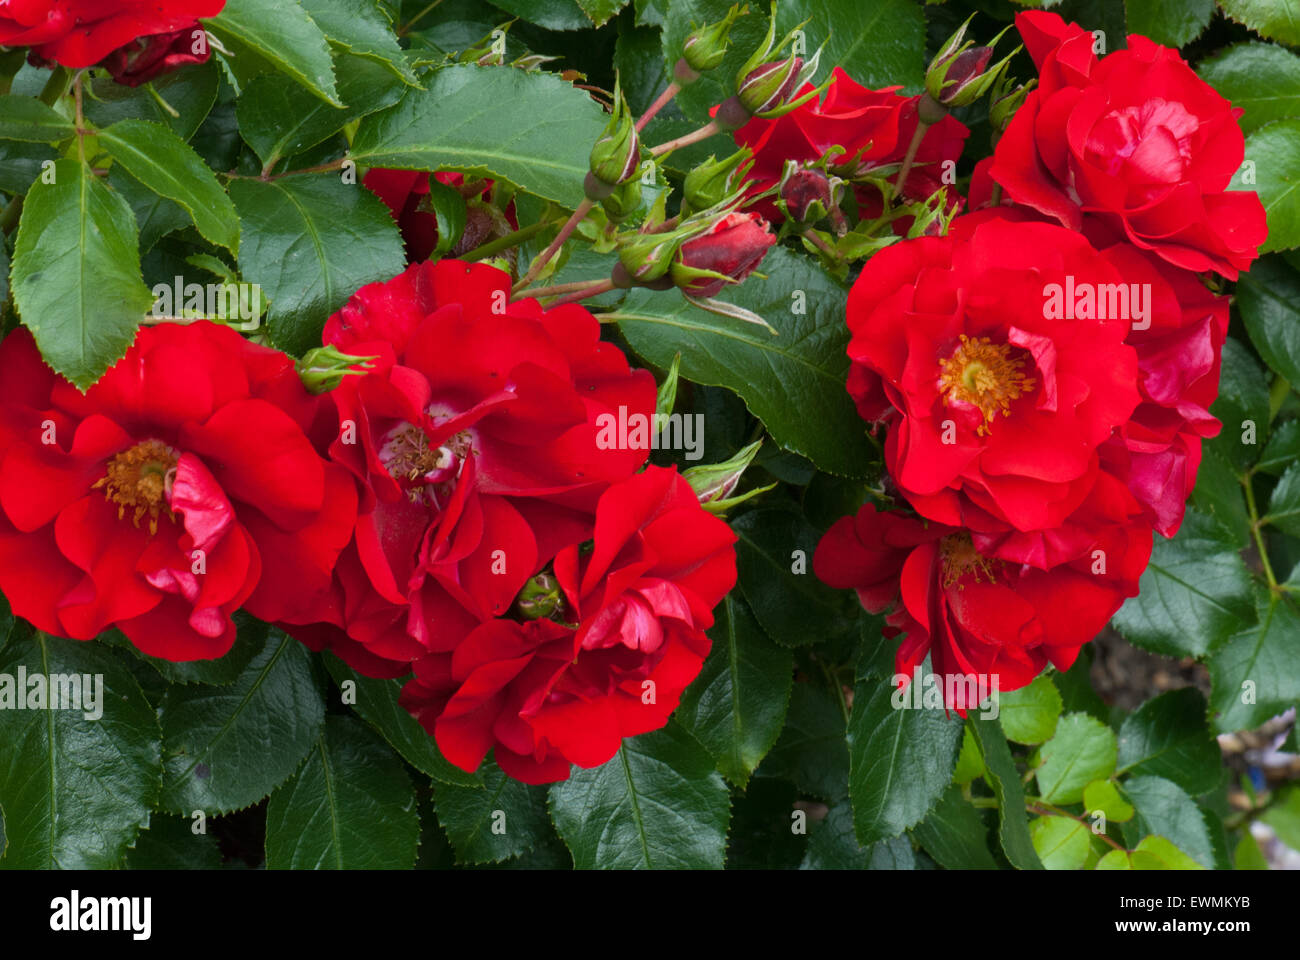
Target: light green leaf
<point>1083,750</point>
<point>532,129</point>
<point>1062,843</point>
<point>658,804</point>
<point>76,273</point>
<point>1029,715</point>
<point>1102,796</point>
<point>25,118</point>
<point>350,806</point>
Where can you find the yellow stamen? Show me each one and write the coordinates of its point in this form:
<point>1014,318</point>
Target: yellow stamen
<point>141,478</point>
<point>984,375</point>
<point>959,557</point>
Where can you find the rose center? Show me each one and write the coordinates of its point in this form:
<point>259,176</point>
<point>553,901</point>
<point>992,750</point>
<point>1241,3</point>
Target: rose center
<point>141,479</point>
<point>958,557</point>
<point>984,375</point>
<point>420,467</point>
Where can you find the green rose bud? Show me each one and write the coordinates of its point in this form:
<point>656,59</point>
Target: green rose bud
<point>540,598</point>
<point>713,181</point>
<point>624,201</point>
<point>324,368</point>
<point>960,73</point>
<point>617,154</point>
<point>706,47</point>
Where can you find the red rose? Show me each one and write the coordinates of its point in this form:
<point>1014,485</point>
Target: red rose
<point>82,33</point>
<point>175,490</point>
<point>474,443</point>
<point>998,404</point>
<point>628,640</point>
<point>404,193</point>
<point>730,251</point>
<point>148,57</point>
<point>873,129</point>
<point>976,616</point>
<point>1133,146</point>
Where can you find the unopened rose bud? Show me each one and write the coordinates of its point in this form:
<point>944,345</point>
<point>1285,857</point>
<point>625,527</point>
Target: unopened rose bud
<point>1005,99</point>
<point>616,157</point>
<point>324,368</point>
<point>715,483</point>
<point>806,194</point>
<point>713,181</point>
<point>706,47</point>
<point>960,73</point>
<point>624,201</point>
<point>729,251</point>
<point>646,257</point>
<point>666,398</point>
<point>540,598</point>
<point>766,86</point>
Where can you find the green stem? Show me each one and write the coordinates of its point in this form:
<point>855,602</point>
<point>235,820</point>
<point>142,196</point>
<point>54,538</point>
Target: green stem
<point>556,290</point>
<point>1277,395</point>
<point>56,86</point>
<point>546,255</point>
<point>660,102</point>
<point>1255,530</point>
<point>402,31</point>
<point>695,136</point>
<point>915,145</point>
<point>9,216</point>
<point>493,247</point>
<point>592,290</point>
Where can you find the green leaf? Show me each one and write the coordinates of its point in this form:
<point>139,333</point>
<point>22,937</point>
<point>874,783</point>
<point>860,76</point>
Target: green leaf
<point>377,703</point>
<point>1194,594</point>
<point>500,821</point>
<point>25,118</point>
<point>900,759</point>
<point>1062,843</point>
<point>449,209</point>
<point>811,751</point>
<point>76,273</point>
<point>1163,808</point>
<point>350,806</point>
<point>1083,750</point>
<point>658,804</point>
<point>1219,492</point>
<point>879,44</point>
<point>1283,815</point>
<point>191,93</point>
<point>1283,449</point>
<point>1284,503</point>
<point>954,834</point>
<point>1269,298</point>
<point>1167,737</point>
<point>250,638</point>
<point>1275,19</point>
<point>532,129</point>
<point>169,166</point>
<point>1169,22</point>
<point>970,763</point>
<point>736,706</point>
<point>1275,151</point>
<point>228,747</point>
<point>601,12</point>
<point>75,791</point>
<point>281,32</point>
<point>1254,674</point>
<point>1029,715</point>
<point>1152,853</point>
<point>170,843</point>
<point>279,118</point>
<point>1242,405</point>
<point>1261,78</point>
<point>1102,796</point>
<point>310,242</point>
<point>832,845</point>
<point>793,382</point>
<point>361,27</point>
<point>1004,778</point>
<point>796,609</point>
<point>1248,856</point>
<point>155,216</point>
<point>549,14</point>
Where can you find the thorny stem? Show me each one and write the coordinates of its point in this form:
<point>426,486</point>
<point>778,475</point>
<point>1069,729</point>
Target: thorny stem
<point>660,102</point>
<point>811,236</point>
<point>695,136</point>
<point>594,290</point>
<point>546,255</point>
<point>556,290</point>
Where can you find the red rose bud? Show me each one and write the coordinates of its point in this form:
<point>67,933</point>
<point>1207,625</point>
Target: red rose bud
<point>807,194</point>
<point>324,368</point>
<point>960,73</point>
<point>713,182</point>
<point>768,81</point>
<point>730,251</point>
<point>714,484</point>
<point>145,58</point>
<point>706,47</point>
<point>617,154</point>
